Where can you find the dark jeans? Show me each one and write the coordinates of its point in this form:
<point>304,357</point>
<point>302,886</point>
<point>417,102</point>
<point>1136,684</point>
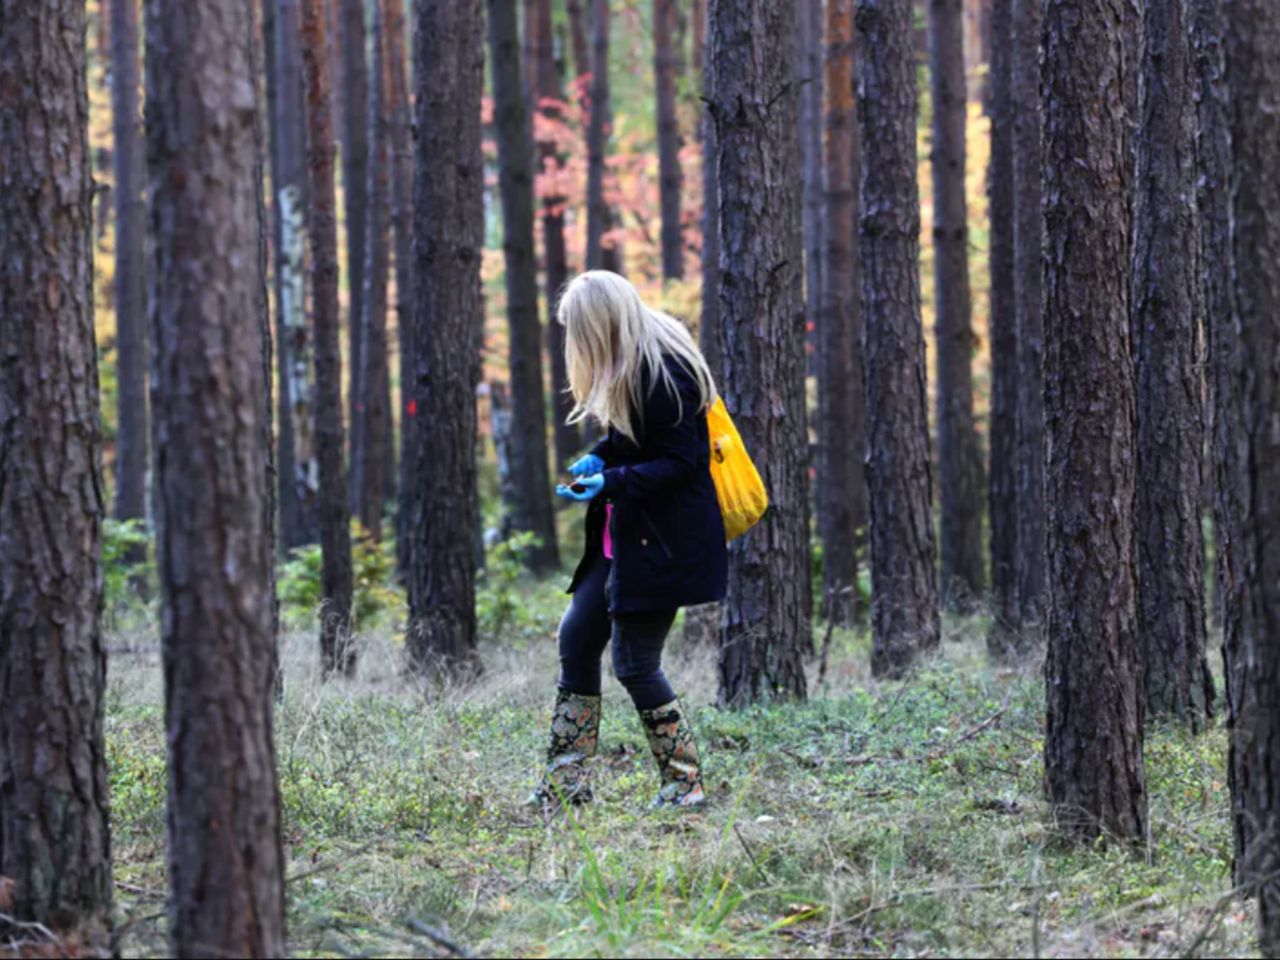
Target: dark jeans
<point>637,643</point>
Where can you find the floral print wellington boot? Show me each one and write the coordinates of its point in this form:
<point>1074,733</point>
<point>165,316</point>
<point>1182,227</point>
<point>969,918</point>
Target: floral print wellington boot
<point>671,740</point>
<point>575,733</point>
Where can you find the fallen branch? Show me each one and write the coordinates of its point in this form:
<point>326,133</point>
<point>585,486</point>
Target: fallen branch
<point>970,734</point>
<point>438,938</point>
<point>750,856</point>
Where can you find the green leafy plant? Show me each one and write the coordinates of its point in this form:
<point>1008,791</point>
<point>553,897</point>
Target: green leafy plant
<point>499,604</point>
<point>128,567</point>
<point>373,568</point>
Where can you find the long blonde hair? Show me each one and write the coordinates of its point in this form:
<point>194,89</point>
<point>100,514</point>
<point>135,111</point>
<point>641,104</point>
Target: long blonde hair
<point>610,336</point>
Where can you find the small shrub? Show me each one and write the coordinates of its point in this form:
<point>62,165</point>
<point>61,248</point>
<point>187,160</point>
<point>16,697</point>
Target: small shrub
<point>128,567</point>
<point>500,605</point>
<point>373,568</point>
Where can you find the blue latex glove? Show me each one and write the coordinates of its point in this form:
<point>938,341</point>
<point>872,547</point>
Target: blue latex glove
<point>592,484</point>
<point>585,466</point>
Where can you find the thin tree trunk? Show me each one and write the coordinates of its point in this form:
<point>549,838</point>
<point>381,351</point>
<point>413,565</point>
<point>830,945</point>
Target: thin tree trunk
<point>399,113</point>
<point>959,456</point>
<point>766,621</point>
<point>842,492</point>
<point>1028,287</point>
<point>1167,356</point>
<point>333,505</point>
<point>1093,748</point>
<point>598,218</point>
<point>374,377</point>
<point>448,211</point>
<point>211,418</point>
<point>1253,56</point>
<point>354,87</point>
<point>581,52</point>
<point>54,829</point>
<point>551,104</point>
<point>1004,640</point>
<point>130,267</point>
<point>809,77</point>
<point>666,60</point>
<point>904,612</point>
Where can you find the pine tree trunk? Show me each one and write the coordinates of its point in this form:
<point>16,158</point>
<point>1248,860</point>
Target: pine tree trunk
<point>842,490</point>
<point>333,506</point>
<point>766,622</point>
<point>54,831</point>
<point>374,376</point>
<point>1253,55</point>
<point>448,323</point>
<point>130,267</point>
<point>666,59</point>
<point>551,103</point>
<point>708,321</point>
<point>581,52</point>
<point>209,397</point>
<point>1004,640</point>
<point>597,136</point>
<point>1227,444</point>
<point>809,77</point>
<point>399,115</point>
<point>1093,747</point>
<point>959,456</point>
<point>354,89</point>
<point>1167,355</point>
<point>904,611</point>
<point>1028,241</point>
<point>532,510</point>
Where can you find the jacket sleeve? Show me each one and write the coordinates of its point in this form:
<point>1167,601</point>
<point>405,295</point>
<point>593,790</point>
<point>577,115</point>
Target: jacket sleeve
<point>672,443</point>
<point>601,448</point>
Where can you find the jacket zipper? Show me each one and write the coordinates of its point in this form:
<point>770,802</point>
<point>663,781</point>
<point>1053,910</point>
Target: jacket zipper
<point>656,535</point>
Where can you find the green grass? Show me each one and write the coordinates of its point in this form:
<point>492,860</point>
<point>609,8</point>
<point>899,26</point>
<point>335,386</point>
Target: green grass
<point>894,819</point>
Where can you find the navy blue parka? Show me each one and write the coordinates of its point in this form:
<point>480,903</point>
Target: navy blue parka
<point>668,535</point>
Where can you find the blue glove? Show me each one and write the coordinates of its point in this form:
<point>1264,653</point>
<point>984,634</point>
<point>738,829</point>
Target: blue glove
<point>585,466</point>
<point>592,485</point>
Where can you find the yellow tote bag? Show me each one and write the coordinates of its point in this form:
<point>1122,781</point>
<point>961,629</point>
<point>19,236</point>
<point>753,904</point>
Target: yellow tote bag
<point>743,499</point>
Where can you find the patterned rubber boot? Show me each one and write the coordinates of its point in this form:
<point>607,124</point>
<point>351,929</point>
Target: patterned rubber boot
<point>671,740</point>
<point>575,733</point>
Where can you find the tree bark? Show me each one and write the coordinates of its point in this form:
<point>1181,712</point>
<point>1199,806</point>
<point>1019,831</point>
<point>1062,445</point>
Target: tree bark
<point>399,113</point>
<point>762,328</point>
<point>597,136</point>
<point>1004,640</point>
<point>666,59</point>
<point>1227,442</point>
<point>1253,54</point>
<point>354,84</point>
<point>54,828</point>
<point>373,377</point>
<point>551,103</point>
<point>842,490</point>
<point>708,320</point>
<point>333,509</point>
<point>1167,355</point>
<point>1028,287</point>
<point>809,78</point>
<point>532,510</point>
<point>904,612</point>
<point>211,427</point>
<point>959,456</point>
<point>130,267</point>
<point>448,323</point>
<point>1093,747</point>
<point>581,52</point>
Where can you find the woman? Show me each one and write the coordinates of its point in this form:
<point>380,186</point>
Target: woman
<point>655,538</point>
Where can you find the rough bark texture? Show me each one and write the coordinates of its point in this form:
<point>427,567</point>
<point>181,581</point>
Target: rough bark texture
<point>809,78</point>
<point>1028,240</point>
<point>567,437</point>
<point>1228,452</point>
<point>531,511</point>
<point>1093,747</point>
<point>448,43</point>
<point>333,510</point>
<point>1253,53</point>
<point>131,265</point>
<point>54,829</point>
<point>842,486</point>
<point>399,113</point>
<point>666,61</point>
<point>1004,638</point>
<point>597,134</point>
<point>354,86</point>
<point>578,36</point>
<point>370,452</point>
<point>904,584</point>
<point>959,457</point>
<point>762,326</point>
<point>1167,355</point>
<point>708,321</point>
<point>209,400</point>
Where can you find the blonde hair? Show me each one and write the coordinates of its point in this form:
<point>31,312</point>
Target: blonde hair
<point>610,336</point>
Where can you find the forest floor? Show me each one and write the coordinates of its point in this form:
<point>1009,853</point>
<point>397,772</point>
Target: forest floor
<point>878,819</point>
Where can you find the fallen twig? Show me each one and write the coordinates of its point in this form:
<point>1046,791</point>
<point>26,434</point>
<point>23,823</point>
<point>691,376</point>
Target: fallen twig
<point>438,938</point>
<point>750,856</point>
<point>868,759</point>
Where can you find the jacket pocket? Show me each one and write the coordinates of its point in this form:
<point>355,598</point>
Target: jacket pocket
<point>653,529</point>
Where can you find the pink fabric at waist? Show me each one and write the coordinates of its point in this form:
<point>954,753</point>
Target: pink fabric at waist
<point>608,539</point>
